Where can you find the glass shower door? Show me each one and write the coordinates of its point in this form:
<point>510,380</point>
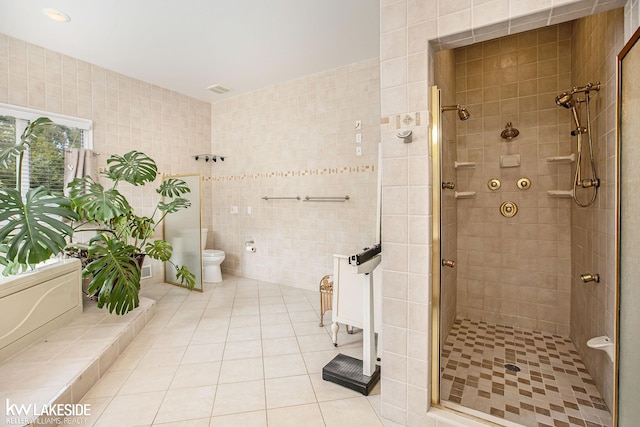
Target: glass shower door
<point>183,231</point>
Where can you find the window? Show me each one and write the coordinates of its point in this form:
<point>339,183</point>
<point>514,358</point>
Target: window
<point>43,163</point>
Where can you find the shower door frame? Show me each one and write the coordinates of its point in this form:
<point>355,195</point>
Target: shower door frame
<point>436,262</point>
<point>436,224</point>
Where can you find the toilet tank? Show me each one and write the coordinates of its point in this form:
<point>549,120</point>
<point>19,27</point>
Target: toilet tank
<point>203,237</point>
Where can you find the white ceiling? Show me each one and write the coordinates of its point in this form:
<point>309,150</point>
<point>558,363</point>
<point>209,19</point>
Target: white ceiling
<point>189,45</point>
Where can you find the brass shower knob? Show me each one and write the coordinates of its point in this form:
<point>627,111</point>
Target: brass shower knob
<point>524,183</point>
<point>494,184</point>
<point>508,209</point>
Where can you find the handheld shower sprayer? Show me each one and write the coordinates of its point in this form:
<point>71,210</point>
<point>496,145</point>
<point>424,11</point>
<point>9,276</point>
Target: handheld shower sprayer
<point>566,100</point>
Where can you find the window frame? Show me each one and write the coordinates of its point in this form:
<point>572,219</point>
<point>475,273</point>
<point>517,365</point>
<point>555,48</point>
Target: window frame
<point>24,114</point>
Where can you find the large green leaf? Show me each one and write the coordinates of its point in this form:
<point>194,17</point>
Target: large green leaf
<point>173,187</point>
<point>159,249</point>
<point>7,153</point>
<point>186,277</point>
<point>33,229</point>
<point>94,203</point>
<point>115,274</point>
<point>175,205</point>
<point>134,167</point>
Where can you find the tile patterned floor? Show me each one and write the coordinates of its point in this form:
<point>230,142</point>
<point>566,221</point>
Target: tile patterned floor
<point>552,389</point>
<point>242,353</point>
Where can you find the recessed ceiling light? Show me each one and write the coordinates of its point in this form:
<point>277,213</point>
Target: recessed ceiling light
<point>56,15</point>
<point>217,88</point>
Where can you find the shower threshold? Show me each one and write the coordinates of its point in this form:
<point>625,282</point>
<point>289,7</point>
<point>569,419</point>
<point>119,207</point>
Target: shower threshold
<point>550,387</point>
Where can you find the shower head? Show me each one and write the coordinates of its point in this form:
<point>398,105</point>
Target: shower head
<point>463,113</point>
<point>565,99</point>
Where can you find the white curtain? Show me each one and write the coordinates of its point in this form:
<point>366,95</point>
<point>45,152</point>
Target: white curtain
<point>78,162</point>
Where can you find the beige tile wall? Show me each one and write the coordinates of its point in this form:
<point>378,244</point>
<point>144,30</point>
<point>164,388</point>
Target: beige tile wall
<point>596,41</point>
<point>631,18</point>
<point>409,31</point>
<point>127,113</point>
<point>516,270</point>
<point>297,139</point>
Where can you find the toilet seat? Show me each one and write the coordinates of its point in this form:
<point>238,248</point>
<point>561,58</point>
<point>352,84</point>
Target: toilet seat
<point>212,253</point>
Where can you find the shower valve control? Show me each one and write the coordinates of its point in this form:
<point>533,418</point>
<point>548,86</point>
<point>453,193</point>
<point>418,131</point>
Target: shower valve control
<point>494,184</point>
<point>448,263</point>
<point>588,277</point>
<point>448,185</point>
<point>508,209</point>
<point>586,183</point>
<point>524,183</point>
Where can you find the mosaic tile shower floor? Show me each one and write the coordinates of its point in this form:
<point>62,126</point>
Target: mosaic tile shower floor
<point>552,389</point>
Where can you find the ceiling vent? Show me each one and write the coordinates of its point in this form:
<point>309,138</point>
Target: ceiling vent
<point>218,89</point>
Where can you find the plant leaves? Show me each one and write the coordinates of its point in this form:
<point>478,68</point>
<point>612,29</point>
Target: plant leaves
<point>186,277</point>
<point>141,227</point>
<point>134,167</point>
<point>115,274</point>
<point>175,205</point>
<point>173,187</point>
<point>94,203</point>
<point>160,250</point>
<point>9,152</point>
<point>34,230</point>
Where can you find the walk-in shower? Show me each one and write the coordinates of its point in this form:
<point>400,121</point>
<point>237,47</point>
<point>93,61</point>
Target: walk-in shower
<point>567,100</point>
<point>520,287</point>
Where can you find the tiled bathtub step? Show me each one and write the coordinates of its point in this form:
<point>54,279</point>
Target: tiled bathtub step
<point>64,365</point>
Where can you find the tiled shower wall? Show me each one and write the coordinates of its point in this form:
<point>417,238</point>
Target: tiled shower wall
<point>297,139</point>
<point>127,114</point>
<point>445,77</point>
<point>596,41</point>
<point>515,271</point>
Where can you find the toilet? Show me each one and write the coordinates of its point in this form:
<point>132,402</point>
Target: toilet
<point>211,260</point>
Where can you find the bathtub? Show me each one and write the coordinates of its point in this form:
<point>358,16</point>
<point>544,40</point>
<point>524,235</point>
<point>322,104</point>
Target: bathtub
<point>34,303</point>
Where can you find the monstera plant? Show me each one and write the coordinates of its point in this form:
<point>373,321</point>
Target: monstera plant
<point>36,226</point>
<point>114,257</point>
<point>41,224</point>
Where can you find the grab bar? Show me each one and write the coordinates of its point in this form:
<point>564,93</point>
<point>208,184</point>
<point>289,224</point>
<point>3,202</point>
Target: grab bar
<point>326,199</point>
<point>281,198</point>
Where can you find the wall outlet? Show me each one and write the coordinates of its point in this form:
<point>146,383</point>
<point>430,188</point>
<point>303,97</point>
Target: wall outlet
<point>358,151</point>
<point>358,124</point>
<point>234,209</point>
<point>249,210</point>
<point>358,137</point>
